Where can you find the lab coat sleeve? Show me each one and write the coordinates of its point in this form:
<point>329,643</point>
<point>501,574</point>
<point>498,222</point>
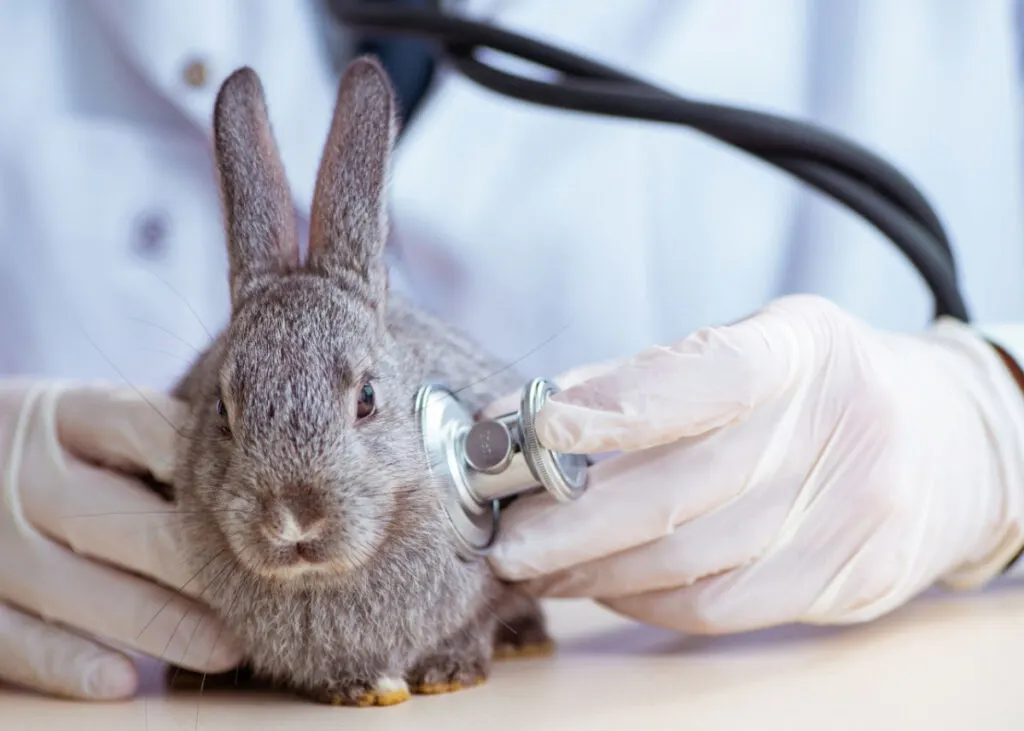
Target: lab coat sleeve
<point>1010,338</point>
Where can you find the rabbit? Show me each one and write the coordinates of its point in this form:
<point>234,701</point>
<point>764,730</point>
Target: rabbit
<point>307,507</point>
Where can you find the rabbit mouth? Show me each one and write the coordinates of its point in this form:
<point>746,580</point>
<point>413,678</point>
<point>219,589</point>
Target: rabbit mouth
<point>303,569</point>
<point>319,552</point>
<point>304,560</point>
<point>298,534</point>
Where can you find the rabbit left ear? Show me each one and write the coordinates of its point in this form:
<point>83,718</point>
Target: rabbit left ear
<point>257,201</point>
<point>348,225</point>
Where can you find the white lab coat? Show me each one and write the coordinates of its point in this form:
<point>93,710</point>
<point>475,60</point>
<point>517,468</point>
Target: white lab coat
<point>562,238</point>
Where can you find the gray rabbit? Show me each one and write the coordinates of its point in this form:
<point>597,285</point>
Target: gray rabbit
<point>306,503</point>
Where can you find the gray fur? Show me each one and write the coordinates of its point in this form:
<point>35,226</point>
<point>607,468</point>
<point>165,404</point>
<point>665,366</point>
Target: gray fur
<point>392,600</point>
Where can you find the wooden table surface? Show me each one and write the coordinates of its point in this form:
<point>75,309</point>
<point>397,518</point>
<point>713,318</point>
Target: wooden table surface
<point>945,662</point>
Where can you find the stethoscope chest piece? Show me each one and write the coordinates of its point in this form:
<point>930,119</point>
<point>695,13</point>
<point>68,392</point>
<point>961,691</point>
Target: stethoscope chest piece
<point>478,463</point>
<point>444,420</point>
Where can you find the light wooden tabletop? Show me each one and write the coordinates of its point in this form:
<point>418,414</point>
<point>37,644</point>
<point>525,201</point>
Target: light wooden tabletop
<point>945,662</point>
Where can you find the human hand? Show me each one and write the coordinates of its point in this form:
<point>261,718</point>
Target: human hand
<point>87,556</point>
<point>797,466</point>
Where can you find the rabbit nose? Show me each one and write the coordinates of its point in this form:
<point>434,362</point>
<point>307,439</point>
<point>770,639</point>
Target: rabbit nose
<point>305,508</point>
<point>299,516</point>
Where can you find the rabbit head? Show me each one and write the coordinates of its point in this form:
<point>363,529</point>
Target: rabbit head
<point>305,461</point>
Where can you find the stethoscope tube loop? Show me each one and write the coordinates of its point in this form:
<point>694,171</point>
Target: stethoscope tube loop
<point>849,173</point>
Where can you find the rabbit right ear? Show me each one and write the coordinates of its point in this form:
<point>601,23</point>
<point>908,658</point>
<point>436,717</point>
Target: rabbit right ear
<point>348,226</point>
<point>260,219</point>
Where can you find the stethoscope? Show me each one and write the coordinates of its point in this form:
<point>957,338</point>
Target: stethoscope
<point>481,463</point>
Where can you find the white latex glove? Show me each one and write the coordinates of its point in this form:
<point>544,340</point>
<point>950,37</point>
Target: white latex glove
<point>82,547</point>
<point>798,466</point>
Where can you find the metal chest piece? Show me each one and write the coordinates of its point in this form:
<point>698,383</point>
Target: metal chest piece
<point>481,462</point>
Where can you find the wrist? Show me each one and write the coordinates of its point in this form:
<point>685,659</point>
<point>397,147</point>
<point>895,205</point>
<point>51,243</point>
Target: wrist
<point>994,382</point>
<point>1008,343</point>
<point>1011,365</point>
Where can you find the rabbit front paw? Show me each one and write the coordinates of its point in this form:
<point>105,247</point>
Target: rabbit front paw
<point>447,674</point>
<point>462,662</point>
<point>385,691</point>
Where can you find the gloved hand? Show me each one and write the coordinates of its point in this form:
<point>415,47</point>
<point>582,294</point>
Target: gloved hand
<point>797,466</point>
<point>83,547</point>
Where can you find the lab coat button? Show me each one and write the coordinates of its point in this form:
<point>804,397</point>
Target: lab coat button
<point>151,236</point>
<point>195,73</point>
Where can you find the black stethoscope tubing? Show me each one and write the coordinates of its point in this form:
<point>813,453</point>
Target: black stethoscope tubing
<point>849,173</point>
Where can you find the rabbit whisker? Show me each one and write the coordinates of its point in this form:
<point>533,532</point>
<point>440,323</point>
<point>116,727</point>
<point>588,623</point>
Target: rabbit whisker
<point>179,356</point>
<point>149,512</point>
<point>135,388</point>
<point>231,604</point>
<point>515,362</point>
<point>240,496</point>
<point>181,619</point>
<point>359,366</point>
<point>165,330</point>
<point>202,687</point>
<point>177,592</point>
<point>505,624</point>
<point>221,579</point>
<point>184,301</point>
<point>245,499</point>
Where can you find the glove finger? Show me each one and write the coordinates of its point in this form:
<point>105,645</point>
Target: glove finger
<point>50,659</point>
<point>510,402</point>
<point>779,587</point>
<point>130,430</point>
<point>111,517</point>
<point>714,377</point>
<point>104,602</point>
<point>639,497</point>
<point>873,583</point>
<point>714,606</point>
<point>726,538</point>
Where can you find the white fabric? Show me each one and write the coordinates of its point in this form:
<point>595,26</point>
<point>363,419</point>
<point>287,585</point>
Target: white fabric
<point>524,224</point>
<point>514,222</point>
<point>100,137</point>
<point>797,466</point>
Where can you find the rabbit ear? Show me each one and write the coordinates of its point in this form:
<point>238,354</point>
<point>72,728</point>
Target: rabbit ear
<point>348,225</point>
<point>260,219</point>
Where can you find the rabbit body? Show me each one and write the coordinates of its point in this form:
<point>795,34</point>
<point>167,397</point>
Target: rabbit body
<point>309,514</point>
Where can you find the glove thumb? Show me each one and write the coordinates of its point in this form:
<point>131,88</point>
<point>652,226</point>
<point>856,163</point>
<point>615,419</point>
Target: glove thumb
<point>714,377</point>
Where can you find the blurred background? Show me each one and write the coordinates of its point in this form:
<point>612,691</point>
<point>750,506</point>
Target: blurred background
<point>554,238</point>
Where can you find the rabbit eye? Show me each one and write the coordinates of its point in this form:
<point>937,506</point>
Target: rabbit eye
<point>367,402</point>
<point>222,412</point>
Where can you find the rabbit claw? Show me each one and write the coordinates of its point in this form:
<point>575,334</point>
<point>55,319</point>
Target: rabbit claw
<point>456,668</point>
<point>522,651</point>
<point>440,688</point>
<point>385,692</point>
